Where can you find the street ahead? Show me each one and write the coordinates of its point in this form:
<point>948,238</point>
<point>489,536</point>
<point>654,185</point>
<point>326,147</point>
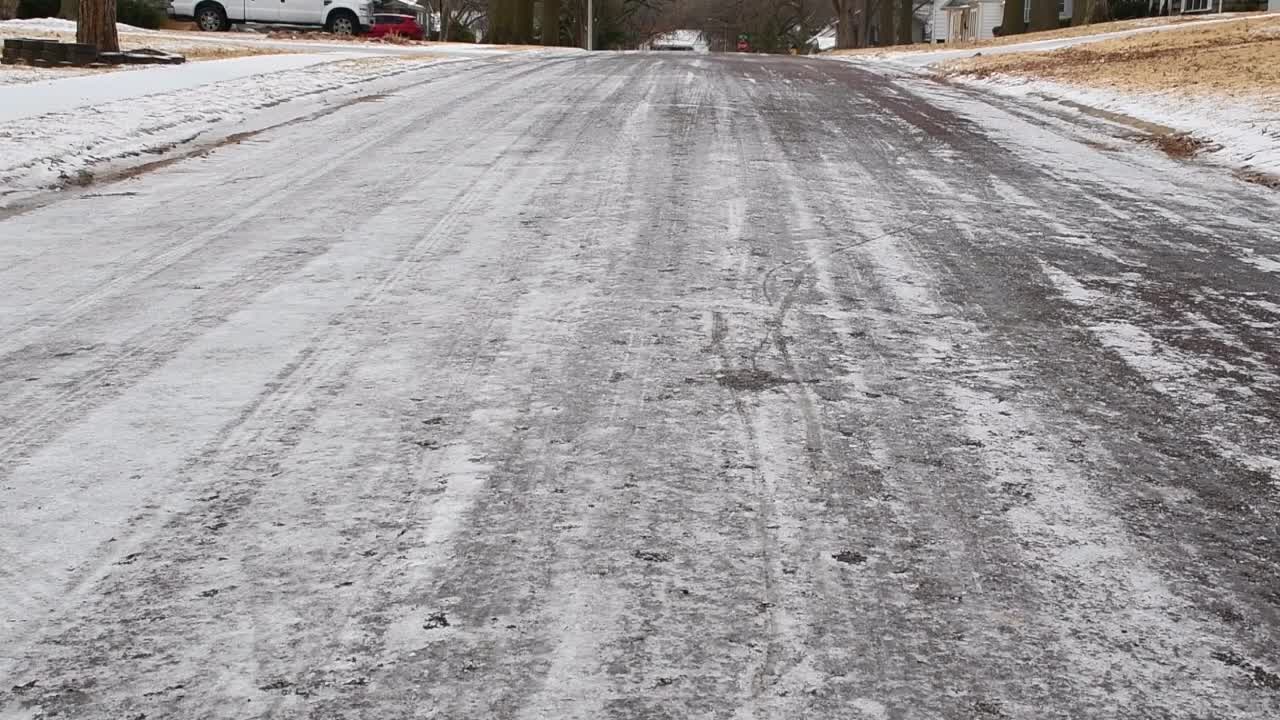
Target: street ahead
<point>646,386</point>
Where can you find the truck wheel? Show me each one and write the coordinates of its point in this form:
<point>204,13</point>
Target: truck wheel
<point>211,18</point>
<point>343,22</point>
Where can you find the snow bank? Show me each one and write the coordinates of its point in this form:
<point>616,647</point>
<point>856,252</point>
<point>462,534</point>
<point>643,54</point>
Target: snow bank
<point>1240,134</point>
<point>58,25</point>
<point>65,94</point>
<point>17,74</point>
<point>49,150</point>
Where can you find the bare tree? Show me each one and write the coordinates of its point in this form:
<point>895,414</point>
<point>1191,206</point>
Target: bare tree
<point>1012,23</point>
<point>550,22</point>
<point>524,22</point>
<point>884,23</point>
<point>472,15</point>
<point>445,21</point>
<point>846,22</point>
<point>906,18</point>
<point>1090,11</point>
<point>97,25</point>
<point>501,21</point>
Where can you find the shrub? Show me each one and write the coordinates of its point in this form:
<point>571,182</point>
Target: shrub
<point>38,8</point>
<point>140,13</point>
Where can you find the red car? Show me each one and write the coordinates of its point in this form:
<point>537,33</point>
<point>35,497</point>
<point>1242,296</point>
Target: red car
<point>402,25</point>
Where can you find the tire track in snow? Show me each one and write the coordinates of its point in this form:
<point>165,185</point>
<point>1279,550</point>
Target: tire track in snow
<point>34,419</point>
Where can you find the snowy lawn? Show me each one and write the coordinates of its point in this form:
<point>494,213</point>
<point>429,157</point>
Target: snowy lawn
<point>1216,81</point>
<point>62,132</point>
<point>1239,134</point>
<point>922,54</point>
<point>18,74</point>
<point>1239,60</point>
<point>1219,82</point>
<point>194,47</point>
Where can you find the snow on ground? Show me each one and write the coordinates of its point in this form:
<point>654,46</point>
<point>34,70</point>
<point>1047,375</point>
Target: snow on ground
<point>198,44</point>
<point>58,25</point>
<point>651,428</point>
<point>919,58</point>
<point>48,143</point>
<point>1241,131</point>
<point>1241,135</point>
<point>17,74</point>
<point>67,93</point>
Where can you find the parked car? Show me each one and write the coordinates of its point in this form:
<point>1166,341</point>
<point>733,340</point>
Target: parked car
<point>402,25</point>
<point>341,17</point>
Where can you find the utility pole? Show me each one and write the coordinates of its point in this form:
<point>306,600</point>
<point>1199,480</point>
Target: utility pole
<point>590,28</point>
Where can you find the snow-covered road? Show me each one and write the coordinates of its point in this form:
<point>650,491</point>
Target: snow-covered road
<point>646,386</point>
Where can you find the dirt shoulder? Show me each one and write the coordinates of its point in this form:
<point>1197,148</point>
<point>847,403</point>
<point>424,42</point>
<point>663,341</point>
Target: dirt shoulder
<point>1237,60</point>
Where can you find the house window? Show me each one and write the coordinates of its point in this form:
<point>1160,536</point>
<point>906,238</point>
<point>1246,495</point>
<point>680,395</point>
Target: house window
<point>1196,5</point>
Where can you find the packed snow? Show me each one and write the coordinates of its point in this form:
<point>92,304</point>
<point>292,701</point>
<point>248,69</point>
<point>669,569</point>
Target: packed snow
<point>1239,134</point>
<point>50,141</point>
<point>66,94</point>
<point>525,382</point>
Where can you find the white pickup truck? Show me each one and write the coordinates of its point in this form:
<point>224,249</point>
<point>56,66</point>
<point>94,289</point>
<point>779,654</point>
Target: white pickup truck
<point>342,17</point>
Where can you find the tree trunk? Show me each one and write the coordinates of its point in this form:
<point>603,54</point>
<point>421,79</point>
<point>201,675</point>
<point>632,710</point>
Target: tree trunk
<point>1044,15</point>
<point>844,23</point>
<point>550,22</point>
<point>864,23</point>
<point>1011,23</point>
<point>1095,11</point>
<point>884,23</point>
<point>524,22</point>
<point>500,21</point>
<point>906,19</point>
<point>1077,12</point>
<point>69,9</point>
<point>97,25</point>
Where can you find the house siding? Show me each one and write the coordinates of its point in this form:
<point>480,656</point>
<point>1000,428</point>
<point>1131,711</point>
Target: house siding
<point>941,28</point>
<point>990,17</point>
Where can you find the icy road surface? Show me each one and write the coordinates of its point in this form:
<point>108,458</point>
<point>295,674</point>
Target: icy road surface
<point>633,386</point>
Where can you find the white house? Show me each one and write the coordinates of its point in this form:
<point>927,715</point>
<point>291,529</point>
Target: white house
<point>825,39</point>
<point>968,20</point>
